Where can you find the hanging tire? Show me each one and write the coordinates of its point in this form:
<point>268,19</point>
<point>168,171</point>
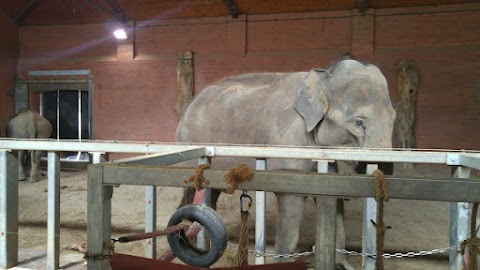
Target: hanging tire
<point>211,222</point>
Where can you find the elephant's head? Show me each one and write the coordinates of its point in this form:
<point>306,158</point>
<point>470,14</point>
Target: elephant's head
<point>351,106</point>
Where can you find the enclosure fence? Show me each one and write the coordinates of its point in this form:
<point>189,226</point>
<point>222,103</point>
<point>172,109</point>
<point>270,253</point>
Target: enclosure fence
<point>154,171</point>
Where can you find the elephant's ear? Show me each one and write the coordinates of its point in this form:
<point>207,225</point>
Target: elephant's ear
<point>310,101</point>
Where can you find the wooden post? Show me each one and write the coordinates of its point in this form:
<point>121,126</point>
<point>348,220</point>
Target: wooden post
<point>408,83</point>
<point>184,82</point>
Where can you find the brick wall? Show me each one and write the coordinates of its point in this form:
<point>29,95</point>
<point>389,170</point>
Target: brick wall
<point>8,60</point>
<point>134,93</point>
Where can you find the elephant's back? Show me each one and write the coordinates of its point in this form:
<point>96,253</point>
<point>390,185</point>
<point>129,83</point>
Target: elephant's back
<point>236,109</point>
<point>29,125</point>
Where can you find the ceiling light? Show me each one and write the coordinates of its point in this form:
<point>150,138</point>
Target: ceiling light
<point>120,34</point>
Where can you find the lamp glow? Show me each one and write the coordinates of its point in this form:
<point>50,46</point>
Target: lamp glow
<point>120,34</point>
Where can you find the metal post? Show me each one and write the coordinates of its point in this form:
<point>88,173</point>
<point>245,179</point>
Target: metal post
<point>326,226</point>
<point>260,220</point>
<point>151,220</point>
<point>207,199</point>
<point>99,205</point>
<point>53,225</point>
<point>208,192</point>
<point>8,210</point>
<point>368,231</point>
<point>459,222</point>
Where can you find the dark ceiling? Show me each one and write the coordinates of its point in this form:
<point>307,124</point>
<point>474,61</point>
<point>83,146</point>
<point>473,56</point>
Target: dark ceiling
<point>47,12</point>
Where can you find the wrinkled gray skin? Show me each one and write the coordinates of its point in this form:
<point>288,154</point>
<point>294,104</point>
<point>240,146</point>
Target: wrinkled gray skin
<point>29,125</point>
<point>346,105</point>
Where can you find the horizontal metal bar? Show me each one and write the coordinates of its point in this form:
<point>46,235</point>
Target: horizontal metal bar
<point>59,72</point>
<point>93,146</point>
<point>313,153</point>
<point>164,159</point>
<point>56,81</point>
<point>470,161</point>
<point>302,183</point>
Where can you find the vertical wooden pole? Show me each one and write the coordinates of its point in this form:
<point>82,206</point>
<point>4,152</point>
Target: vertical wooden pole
<point>408,83</point>
<point>184,82</point>
<point>326,226</point>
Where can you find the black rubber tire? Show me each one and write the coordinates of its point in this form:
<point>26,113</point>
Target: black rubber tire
<point>213,224</point>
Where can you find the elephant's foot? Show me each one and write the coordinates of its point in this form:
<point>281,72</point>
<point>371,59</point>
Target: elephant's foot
<point>22,178</point>
<point>33,179</point>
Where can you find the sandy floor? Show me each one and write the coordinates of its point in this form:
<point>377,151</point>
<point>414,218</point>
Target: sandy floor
<point>416,225</point>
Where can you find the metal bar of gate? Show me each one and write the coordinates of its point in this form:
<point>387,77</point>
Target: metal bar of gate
<point>260,220</point>
<point>53,224</point>
<point>368,230</point>
<point>450,157</point>
<point>151,220</point>
<point>8,210</point>
<point>99,205</point>
<point>459,223</point>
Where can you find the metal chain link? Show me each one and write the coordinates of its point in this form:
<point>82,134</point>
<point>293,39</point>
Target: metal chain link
<point>355,253</point>
<point>398,254</point>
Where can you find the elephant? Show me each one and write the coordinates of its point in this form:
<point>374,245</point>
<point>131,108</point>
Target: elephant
<point>348,104</point>
<point>28,124</point>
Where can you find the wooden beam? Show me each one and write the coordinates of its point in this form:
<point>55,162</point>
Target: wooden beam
<point>362,6</point>
<point>20,17</point>
<point>232,8</point>
<point>104,9</point>
<point>118,10</point>
<point>301,183</point>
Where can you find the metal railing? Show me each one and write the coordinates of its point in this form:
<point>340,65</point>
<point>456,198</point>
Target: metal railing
<point>102,176</point>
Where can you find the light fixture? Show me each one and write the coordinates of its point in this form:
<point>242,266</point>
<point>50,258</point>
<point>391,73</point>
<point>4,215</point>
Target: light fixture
<point>120,33</point>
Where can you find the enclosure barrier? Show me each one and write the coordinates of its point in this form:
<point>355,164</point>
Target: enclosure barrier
<point>103,176</point>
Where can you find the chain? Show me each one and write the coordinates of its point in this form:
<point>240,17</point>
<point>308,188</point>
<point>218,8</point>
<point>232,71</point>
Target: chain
<point>261,254</point>
<point>398,254</point>
<point>353,253</point>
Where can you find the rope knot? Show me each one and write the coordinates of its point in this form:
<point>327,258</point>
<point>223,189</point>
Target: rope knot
<point>198,177</point>
<point>237,175</point>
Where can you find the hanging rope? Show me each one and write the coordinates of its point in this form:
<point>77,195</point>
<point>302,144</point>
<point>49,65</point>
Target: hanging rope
<point>241,257</point>
<point>381,196</point>
<point>198,177</point>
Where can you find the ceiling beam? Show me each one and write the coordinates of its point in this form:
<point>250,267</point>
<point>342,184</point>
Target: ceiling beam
<point>104,9</point>
<point>232,8</point>
<point>362,6</point>
<point>20,17</point>
<point>118,10</point>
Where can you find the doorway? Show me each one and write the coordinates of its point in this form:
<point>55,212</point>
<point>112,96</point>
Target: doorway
<point>68,111</point>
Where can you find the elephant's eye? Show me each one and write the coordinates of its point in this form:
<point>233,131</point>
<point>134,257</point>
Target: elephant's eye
<point>360,123</point>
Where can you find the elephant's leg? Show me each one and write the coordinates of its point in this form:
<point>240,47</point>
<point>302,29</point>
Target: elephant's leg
<point>290,216</point>
<point>188,195</point>
<point>21,163</point>
<point>34,171</point>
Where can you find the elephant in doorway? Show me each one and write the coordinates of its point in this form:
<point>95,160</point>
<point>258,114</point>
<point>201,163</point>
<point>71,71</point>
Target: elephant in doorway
<point>28,124</point>
<point>347,104</point>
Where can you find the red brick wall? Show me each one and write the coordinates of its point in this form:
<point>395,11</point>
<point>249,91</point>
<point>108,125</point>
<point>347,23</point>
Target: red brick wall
<point>8,60</point>
<point>134,99</point>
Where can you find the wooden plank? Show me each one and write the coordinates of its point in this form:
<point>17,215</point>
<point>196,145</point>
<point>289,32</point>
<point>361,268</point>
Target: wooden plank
<point>303,183</point>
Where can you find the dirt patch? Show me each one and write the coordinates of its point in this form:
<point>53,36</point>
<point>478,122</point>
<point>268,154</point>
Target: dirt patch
<point>417,225</point>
